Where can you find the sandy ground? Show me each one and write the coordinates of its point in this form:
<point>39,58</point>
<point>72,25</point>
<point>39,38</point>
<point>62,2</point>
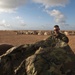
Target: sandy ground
<point>10,37</point>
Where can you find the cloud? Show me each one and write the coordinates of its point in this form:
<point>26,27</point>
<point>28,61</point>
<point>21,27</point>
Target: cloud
<point>58,16</point>
<point>20,20</point>
<point>52,3</point>
<point>7,10</point>
<point>18,17</point>
<point>4,23</point>
<point>10,5</point>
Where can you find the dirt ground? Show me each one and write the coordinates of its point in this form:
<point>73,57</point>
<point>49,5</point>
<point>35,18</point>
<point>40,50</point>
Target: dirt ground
<point>10,37</point>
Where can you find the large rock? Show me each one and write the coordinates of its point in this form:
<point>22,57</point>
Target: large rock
<point>4,48</point>
<point>51,61</point>
<point>38,59</point>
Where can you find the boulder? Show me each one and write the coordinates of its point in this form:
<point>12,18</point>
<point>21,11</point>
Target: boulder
<point>38,59</point>
<point>4,48</point>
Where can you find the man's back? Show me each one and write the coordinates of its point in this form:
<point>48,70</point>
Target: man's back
<point>57,40</point>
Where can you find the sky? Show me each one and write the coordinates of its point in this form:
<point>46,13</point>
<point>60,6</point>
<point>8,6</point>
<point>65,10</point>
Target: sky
<point>37,14</point>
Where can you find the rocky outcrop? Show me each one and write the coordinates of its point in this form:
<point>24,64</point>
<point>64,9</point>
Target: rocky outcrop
<point>4,48</point>
<point>35,59</point>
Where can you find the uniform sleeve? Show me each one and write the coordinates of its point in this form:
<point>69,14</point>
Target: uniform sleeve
<point>65,38</point>
<point>50,41</point>
<point>44,43</point>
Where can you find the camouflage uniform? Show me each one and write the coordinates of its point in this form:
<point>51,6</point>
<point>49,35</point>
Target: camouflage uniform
<point>54,61</point>
<point>58,40</point>
<point>60,36</point>
<point>54,41</point>
<point>54,58</point>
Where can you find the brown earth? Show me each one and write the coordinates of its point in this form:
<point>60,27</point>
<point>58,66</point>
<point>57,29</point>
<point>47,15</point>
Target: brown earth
<point>11,38</point>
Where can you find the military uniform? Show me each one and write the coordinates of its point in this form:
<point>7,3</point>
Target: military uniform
<point>57,40</point>
<point>51,61</point>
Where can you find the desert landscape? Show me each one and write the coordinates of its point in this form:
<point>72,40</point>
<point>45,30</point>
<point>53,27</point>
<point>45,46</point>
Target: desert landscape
<point>17,38</point>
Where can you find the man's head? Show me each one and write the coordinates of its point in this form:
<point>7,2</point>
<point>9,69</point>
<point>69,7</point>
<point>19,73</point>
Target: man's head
<point>56,29</point>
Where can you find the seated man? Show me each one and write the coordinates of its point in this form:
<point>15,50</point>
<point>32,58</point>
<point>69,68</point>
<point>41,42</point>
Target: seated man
<point>57,37</point>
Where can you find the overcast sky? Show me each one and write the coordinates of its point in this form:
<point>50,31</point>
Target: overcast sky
<point>37,14</point>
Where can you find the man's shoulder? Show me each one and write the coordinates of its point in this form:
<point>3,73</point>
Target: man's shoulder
<point>62,34</point>
<point>64,38</point>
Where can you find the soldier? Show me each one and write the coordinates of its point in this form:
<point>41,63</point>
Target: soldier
<point>57,38</point>
<point>59,35</point>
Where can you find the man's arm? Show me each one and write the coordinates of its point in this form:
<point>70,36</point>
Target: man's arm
<point>65,38</point>
<point>45,43</point>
